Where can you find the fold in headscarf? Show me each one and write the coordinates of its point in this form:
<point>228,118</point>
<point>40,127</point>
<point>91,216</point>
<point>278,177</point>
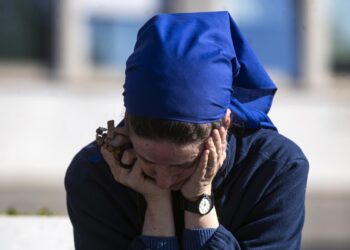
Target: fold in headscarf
<point>191,67</point>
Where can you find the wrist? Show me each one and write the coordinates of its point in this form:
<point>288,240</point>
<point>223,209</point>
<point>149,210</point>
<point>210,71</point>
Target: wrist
<point>159,219</point>
<point>195,220</point>
<point>202,205</point>
<point>163,202</point>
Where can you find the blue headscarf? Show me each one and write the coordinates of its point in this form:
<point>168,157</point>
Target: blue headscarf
<point>191,67</point>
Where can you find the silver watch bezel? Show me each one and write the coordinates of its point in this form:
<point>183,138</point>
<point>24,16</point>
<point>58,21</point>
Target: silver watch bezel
<point>205,205</point>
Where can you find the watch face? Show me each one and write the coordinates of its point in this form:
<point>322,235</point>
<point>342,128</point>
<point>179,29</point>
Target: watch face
<point>204,205</point>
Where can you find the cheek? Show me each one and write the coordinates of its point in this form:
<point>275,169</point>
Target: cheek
<point>183,174</point>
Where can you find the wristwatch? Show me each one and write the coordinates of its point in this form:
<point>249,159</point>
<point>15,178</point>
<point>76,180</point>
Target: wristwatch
<point>203,205</point>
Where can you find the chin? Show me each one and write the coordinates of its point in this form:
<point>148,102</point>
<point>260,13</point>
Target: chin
<point>176,187</point>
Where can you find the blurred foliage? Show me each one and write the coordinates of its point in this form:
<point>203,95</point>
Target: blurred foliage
<point>44,212</point>
<point>11,211</point>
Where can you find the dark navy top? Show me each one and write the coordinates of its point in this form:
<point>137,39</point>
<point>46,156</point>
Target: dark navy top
<point>259,198</point>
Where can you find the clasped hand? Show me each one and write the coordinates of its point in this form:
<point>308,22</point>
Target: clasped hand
<point>200,182</point>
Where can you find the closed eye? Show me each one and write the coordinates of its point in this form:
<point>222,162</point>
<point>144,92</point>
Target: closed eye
<point>145,160</point>
<point>186,165</point>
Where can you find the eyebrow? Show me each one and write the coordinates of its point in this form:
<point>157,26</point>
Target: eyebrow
<point>183,165</point>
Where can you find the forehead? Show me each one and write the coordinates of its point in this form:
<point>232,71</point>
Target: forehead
<point>165,152</point>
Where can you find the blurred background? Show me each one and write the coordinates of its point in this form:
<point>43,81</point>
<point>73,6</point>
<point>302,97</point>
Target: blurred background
<point>61,73</point>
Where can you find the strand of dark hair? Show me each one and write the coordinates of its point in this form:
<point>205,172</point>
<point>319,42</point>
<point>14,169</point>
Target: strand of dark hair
<point>174,131</point>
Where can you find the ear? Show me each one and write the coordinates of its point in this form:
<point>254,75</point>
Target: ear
<point>227,119</point>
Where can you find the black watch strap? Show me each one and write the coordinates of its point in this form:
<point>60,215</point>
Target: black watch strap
<point>203,205</point>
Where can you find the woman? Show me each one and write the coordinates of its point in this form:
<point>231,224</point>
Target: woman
<point>206,168</point>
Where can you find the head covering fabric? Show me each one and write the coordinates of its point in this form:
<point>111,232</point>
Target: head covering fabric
<point>191,67</point>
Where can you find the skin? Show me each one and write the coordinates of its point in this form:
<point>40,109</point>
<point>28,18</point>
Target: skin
<point>166,163</point>
<point>162,166</point>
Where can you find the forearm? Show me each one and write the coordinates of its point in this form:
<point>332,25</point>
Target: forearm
<point>159,219</point>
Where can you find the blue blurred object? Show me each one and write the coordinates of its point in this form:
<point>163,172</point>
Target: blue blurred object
<point>273,29</point>
<point>340,35</point>
<point>112,40</point>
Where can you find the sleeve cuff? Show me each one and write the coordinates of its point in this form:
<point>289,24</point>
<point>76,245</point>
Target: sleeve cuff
<point>196,238</point>
<point>160,243</point>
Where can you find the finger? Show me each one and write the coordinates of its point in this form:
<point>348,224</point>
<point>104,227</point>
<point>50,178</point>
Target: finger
<point>123,176</point>
<point>217,143</point>
<point>120,174</point>
<point>111,162</point>
<point>223,135</point>
<point>202,165</point>
<point>136,176</point>
<point>212,159</point>
<point>107,155</point>
<point>200,170</point>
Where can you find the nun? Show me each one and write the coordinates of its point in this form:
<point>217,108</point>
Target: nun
<point>202,165</point>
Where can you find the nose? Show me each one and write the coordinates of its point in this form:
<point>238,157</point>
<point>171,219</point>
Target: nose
<point>163,177</point>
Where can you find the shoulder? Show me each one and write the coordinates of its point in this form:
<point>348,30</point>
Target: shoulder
<point>83,166</point>
<point>269,144</point>
<point>270,148</point>
<point>268,183</point>
<point>98,203</point>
